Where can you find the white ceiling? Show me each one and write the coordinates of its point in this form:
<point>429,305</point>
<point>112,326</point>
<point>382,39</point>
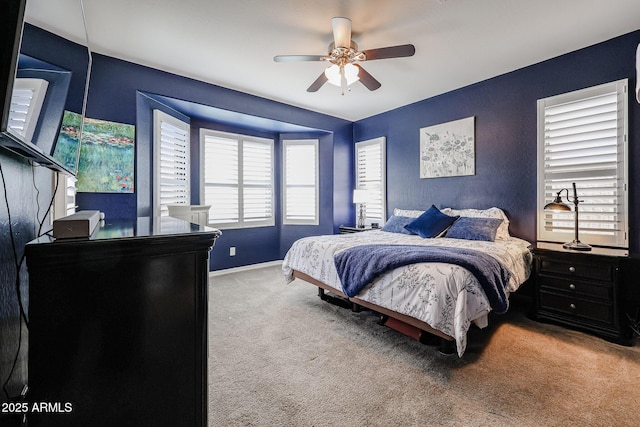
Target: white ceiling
<point>232,43</point>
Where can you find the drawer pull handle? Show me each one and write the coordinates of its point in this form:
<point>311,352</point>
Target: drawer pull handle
<point>572,287</point>
<point>572,269</point>
<point>572,306</point>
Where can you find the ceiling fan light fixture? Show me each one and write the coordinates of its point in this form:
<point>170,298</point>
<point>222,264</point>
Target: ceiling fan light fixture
<point>343,53</point>
<point>350,73</point>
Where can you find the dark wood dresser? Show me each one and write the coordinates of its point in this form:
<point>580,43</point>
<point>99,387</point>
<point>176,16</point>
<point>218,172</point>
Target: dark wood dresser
<point>585,290</point>
<point>118,325</point>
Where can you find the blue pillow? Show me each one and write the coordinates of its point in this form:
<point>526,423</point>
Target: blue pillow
<point>431,223</point>
<point>474,229</point>
<point>396,224</point>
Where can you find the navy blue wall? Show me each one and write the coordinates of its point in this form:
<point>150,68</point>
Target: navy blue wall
<point>25,195</point>
<point>118,92</point>
<point>506,138</point>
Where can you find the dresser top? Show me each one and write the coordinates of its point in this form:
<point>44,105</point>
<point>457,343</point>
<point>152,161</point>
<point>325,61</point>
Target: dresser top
<point>142,227</point>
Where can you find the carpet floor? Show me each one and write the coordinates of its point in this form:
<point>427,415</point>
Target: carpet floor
<point>280,356</point>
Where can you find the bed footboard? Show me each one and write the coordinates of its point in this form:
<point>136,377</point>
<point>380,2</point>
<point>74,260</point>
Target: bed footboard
<point>412,327</point>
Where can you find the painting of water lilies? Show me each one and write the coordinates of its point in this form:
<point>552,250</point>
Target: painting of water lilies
<point>107,153</point>
<point>448,149</point>
<point>66,149</point>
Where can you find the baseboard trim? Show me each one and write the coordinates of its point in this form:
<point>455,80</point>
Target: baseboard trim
<point>244,268</point>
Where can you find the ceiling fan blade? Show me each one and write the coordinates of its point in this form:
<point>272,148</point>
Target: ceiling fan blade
<point>390,52</point>
<point>367,79</point>
<point>322,79</point>
<point>298,58</point>
<point>341,31</point>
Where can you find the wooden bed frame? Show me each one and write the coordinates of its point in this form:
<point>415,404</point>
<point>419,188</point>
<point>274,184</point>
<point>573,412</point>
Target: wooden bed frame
<point>404,324</point>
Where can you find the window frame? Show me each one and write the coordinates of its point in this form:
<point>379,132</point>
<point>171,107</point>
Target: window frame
<point>242,223</point>
<point>620,236</point>
<point>316,186</point>
<point>382,143</point>
<point>160,116</point>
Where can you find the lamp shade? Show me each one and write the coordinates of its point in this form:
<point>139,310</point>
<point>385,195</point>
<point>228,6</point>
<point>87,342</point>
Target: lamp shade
<point>360,196</point>
<point>350,74</point>
<point>556,206</point>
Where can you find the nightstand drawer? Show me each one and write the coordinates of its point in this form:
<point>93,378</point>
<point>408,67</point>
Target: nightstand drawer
<point>567,268</point>
<point>600,312</point>
<point>582,290</point>
<point>577,287</point>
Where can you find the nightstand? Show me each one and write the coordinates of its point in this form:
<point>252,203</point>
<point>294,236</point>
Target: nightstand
<point>346,230</point>
<point>582,290</point>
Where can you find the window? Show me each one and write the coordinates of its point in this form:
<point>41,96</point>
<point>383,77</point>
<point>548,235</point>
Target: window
<point>64,200</point>
<point>26,102</point>
<point>582,138</point>
<point>300,199</point>
<point>371,176</point>
<point>237,179</point>
<point>171,163</point>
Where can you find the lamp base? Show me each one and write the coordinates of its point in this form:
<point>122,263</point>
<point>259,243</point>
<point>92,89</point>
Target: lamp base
<point>577,245</point>
<point>361,216</point>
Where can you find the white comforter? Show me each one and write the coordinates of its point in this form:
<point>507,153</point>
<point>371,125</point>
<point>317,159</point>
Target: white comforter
<point>445,296</point>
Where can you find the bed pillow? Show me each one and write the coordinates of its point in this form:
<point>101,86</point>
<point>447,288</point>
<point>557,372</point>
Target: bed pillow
<point>411,213</point>
<point>503,229</point>
<point>474,229</point>
<point>431,223</point>
<point>396,224</point>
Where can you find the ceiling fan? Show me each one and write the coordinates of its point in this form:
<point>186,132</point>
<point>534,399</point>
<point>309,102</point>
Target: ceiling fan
<point>343,55</point>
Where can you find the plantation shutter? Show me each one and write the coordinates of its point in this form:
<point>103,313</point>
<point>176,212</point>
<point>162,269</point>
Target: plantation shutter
<point>371,176</point>
<point>301,182</point>
<point>221,179</point>
<point>172,162</point>
<point>257,181</point>
<point>26,102</point>
<point>64,202</point>
<point>69,194</point>
<point>583,139</point>
<point>237,179</point>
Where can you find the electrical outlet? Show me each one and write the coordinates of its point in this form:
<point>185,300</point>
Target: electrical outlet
<point>232,251</point>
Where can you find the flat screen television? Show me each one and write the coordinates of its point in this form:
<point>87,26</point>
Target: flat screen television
<point>31,126</point>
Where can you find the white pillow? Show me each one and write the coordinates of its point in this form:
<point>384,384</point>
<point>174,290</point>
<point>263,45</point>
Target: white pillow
<point>411,213</point>
<point>503,230</point>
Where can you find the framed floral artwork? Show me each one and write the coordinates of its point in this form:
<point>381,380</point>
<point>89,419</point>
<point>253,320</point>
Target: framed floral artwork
<point>448,149</point>
<point>107,152</point>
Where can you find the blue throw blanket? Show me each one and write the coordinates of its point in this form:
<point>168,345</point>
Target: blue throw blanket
<point>360,265</point>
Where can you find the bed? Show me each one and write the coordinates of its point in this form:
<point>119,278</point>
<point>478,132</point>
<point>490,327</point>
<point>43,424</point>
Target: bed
<point>441,298</point>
